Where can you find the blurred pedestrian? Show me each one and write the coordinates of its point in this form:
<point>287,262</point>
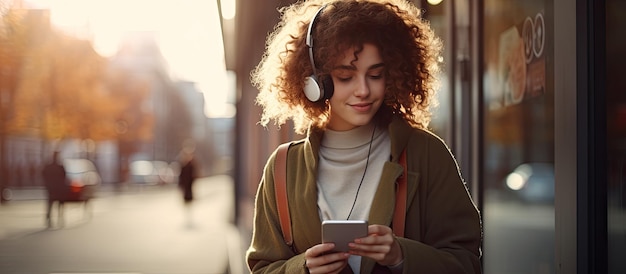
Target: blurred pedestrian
<point>56,186</point>
<point>185,182</point>
<point>187,176</point>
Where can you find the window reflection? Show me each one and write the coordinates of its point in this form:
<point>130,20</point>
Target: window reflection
<point>519,138</point>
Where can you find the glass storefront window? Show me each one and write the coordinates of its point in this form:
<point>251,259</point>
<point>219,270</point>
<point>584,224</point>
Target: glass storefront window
<point>518,208</point>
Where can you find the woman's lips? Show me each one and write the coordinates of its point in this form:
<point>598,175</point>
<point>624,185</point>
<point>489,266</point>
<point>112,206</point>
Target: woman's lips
<point>362,107</point>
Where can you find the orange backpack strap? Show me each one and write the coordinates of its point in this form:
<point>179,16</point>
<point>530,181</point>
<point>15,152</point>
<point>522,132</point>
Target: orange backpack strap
<point>399,211</point>
<point>280,188</point>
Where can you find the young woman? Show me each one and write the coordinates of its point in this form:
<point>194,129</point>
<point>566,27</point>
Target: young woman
<point>358,76</point>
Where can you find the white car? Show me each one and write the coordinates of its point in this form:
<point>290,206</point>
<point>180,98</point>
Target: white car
<point>152,172</point>
<point>83,178</point>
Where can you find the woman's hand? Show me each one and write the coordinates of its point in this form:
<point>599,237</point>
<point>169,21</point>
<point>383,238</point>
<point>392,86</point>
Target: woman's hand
<point>317,261</point>
<point>380,245</point>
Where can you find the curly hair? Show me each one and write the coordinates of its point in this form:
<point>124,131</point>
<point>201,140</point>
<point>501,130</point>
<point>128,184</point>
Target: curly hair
<point>407,44</point>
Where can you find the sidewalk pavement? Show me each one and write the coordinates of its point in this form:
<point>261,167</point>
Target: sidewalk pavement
<point>25,201</point>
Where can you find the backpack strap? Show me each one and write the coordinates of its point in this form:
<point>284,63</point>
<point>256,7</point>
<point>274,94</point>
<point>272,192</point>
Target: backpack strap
<point>399,211</point>
<point>280,188</point>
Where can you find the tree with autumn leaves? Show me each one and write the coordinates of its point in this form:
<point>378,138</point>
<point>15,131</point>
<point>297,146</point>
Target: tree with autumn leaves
<point>12,45</point>
<point>54,86</point>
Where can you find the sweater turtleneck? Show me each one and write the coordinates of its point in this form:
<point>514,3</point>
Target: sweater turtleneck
<point>343,159</point>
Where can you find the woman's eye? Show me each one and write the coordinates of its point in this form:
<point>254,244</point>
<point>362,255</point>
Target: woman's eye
<point>376,76</point>
<point>344,79</point>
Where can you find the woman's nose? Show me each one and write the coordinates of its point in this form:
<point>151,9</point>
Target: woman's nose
<point>362,89</point>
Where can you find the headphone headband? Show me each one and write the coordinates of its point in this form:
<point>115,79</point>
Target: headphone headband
<point>313,89</point>
<point>309,37</point>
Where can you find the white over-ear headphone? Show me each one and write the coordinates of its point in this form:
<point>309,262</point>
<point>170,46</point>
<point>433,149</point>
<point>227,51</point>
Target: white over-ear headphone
<point>314,89</point>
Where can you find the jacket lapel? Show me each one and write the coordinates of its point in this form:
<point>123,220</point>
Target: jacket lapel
<point>384,200</point>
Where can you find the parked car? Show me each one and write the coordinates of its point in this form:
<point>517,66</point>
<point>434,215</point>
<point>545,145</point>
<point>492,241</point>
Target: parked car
<point>532,182</point>
<point>83,179</point>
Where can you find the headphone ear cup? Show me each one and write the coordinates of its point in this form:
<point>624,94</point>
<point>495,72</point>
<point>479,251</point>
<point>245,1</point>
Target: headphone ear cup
<point>312,89</point>
<point>329,87</point>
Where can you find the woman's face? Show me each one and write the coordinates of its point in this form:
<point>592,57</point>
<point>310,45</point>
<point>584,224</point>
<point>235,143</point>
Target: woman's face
<point>359,89</point>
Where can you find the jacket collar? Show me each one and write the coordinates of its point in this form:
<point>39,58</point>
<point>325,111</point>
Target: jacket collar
<point>399,132</point>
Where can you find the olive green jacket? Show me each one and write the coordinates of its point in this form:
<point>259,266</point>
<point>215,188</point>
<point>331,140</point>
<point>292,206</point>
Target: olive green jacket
<point>443,229</point>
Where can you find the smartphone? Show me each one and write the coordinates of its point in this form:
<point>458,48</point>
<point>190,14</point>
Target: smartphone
<point>342,232</point>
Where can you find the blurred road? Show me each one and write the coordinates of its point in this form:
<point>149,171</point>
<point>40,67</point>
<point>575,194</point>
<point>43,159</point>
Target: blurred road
<point>138,230</point>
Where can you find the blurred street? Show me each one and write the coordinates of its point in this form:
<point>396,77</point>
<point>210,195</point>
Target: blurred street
<point>144,230</point>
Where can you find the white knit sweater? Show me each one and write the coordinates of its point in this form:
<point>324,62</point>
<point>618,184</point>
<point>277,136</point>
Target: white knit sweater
<point>343,158</point>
